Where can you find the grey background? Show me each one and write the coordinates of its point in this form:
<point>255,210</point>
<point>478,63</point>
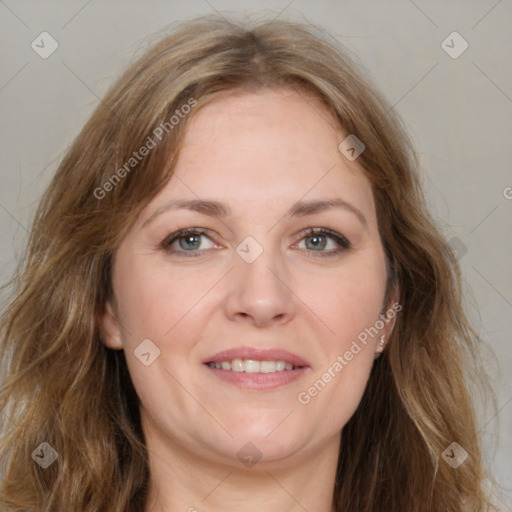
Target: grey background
<point>457,110</point>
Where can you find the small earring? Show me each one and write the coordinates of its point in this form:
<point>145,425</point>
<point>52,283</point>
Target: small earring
<point>380,347</point>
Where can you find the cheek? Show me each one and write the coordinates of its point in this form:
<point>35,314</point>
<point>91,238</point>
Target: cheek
<point>153,301</point>
<point>350,300</point>
<point>349,304</point>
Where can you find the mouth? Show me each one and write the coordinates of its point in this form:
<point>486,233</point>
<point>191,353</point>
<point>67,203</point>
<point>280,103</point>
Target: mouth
<point>256,368</point>
<point>253,366</point>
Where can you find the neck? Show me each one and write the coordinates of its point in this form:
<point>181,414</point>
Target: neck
<point>182,480</point>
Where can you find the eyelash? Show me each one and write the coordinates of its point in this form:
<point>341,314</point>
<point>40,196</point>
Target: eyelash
<point>342,242</point>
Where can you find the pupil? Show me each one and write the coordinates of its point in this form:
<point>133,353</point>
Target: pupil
<point>317,241</point>
<point>190,242</point>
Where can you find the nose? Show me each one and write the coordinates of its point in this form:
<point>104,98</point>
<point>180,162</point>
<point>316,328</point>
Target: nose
<point>259,293</point>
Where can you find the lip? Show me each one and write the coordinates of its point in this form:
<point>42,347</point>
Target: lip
<point>257,354</point>
<point>258,381</point>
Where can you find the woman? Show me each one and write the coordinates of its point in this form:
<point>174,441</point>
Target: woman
<point>234,297</point>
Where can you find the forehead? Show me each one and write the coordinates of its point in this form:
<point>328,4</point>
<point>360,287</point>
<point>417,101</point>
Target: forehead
<point>268,122</point>
<point>275,145</point>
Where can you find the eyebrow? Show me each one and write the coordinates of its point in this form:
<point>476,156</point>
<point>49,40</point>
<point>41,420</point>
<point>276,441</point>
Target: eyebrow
<point>221,210</point>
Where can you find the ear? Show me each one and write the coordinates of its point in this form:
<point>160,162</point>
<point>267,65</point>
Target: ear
<point>388,316</point>
<point>109,328</point>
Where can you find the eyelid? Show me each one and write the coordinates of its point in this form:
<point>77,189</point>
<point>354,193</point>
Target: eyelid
<point>180,233</point>
<point>343,243</point>
<point>323,231</point>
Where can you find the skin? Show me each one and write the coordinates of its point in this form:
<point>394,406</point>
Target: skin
<point>258,153</point>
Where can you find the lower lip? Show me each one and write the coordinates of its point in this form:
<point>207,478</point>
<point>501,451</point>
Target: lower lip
<point>258,381</point>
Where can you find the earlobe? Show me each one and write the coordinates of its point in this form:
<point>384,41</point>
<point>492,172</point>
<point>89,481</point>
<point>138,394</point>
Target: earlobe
<point>380,346</point>
<point>389,316</point>
<point>109,328</point>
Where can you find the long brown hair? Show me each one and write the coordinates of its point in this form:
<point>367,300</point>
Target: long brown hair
<point>63,387</point>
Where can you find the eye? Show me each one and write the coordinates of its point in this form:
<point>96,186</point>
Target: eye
<point>188,240</point>
<point>318,242</point>
<point>324,242</point>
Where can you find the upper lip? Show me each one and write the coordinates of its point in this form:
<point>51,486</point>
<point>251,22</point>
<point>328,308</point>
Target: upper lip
<point>257,354</point>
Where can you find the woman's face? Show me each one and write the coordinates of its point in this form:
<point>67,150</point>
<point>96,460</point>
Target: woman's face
<point>250,283</point>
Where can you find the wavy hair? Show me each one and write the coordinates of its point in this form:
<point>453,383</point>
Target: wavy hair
<point>60,385</point>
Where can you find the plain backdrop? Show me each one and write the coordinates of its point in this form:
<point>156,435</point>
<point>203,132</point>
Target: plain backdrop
<point>457,106</point>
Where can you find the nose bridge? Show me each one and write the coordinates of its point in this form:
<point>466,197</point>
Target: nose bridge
<point>258,287</point>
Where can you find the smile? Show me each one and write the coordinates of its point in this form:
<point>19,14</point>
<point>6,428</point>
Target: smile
<point>253,366</point>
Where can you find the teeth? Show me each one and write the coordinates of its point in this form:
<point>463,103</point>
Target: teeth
<point>268,366</point>
<point>237,365</point>
<point>280,366</point>
<point>252,366</point>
